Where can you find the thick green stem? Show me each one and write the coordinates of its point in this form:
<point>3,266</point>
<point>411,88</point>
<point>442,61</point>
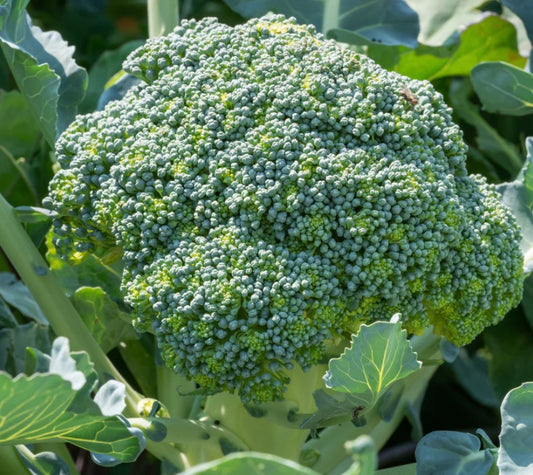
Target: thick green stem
<point>269,427</point>
<point>331,15</point>
<point>170,387</point>
<point>199,441</point>
<point>11,462</point>
<point>59,311</point>
<point>163,16</point>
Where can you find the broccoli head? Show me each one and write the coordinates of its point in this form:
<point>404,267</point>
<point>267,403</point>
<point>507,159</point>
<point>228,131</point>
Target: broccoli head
<point>270,191</point>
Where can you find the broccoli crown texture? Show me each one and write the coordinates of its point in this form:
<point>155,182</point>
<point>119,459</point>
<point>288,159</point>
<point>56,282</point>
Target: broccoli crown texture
<point>271,190</point>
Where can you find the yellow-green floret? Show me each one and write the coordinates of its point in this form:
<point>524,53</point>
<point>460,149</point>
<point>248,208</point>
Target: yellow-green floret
<point>271,190</point>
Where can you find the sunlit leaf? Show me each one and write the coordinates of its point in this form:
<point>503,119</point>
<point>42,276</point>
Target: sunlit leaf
<point>111,398</point>
<point>493,39</point>
<point>46,406</point>
<point>42,64</point>
<point>441,22</point>
<point>380,354</point>
<point>524,11</point>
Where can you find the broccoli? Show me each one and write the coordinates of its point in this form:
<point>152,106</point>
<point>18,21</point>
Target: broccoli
<point>271,191</point>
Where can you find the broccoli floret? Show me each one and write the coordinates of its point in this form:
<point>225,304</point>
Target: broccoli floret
<point>270,191</point>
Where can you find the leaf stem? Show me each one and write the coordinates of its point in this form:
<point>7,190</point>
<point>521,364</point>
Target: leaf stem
<point>170,387</point>
<point>331,15</point>
<point>163,16</point>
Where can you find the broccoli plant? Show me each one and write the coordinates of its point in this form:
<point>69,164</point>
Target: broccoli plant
<point>270,192</point>
<point>285,213</point>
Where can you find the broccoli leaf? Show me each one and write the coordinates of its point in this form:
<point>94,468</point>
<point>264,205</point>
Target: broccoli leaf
<point>42,65</point>
<point>499,150</point>
<point>108,324</point>
<point>515,455</point>
<point>492,39</point>
<point>15,340</point>
<point>105,67</point>
<point>525,13</point>
<point>47,406</point>
<point>440,22</point>
<point>380,354</point>
<point>518,195</point>
<point>389,22</point>
<point>16,294</point>
<point>472,372</point>
<point>503,88</point>
<point>452,453</point>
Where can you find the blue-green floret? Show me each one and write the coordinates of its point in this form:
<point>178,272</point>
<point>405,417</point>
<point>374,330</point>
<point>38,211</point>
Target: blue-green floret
<point>271,190</point>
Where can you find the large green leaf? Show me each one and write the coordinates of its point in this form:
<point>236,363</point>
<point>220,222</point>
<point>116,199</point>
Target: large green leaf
<point>46,406</point>
<point>516,437</point>
<point>36,408</point>
<point>453,453</point>
<point>441,22</point>
<point>503,88</point>
<point>518,195</point>
<point>380,354</point>
<point>493,39</point>
<point>499,150</point>
<point>19,132</point>
<point>42,64</point>
<point>250,463</point>
<point>389,22</point>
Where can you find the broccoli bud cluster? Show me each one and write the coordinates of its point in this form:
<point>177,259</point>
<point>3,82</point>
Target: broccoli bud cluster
<point>271,190</point>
